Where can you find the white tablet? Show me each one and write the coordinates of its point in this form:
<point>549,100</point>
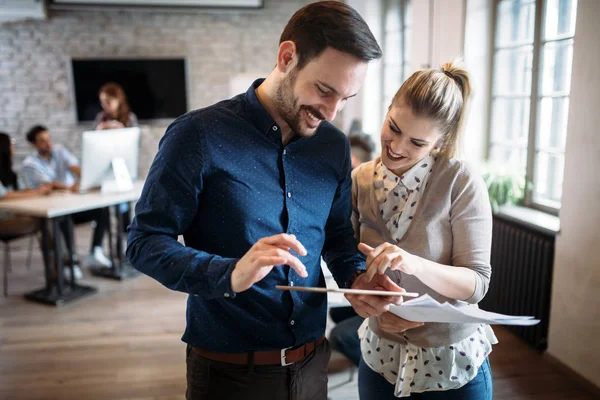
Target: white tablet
<point>346,291</point>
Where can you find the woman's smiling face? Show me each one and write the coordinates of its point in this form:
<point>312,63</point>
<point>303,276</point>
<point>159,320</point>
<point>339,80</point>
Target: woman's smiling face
<point>406,139</point>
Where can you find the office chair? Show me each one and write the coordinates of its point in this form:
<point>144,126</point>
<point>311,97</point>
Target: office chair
<point>7,267</point>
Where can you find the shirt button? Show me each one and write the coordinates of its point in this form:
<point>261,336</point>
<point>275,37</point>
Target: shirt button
<point>226,294</point>
<point>284,152</point>
<point>291,283</point>
<point>292,322</point>
<point>275,128</point>
<point>289,194</point>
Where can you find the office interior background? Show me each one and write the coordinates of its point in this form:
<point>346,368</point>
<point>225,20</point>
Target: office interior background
<point>535,68</point>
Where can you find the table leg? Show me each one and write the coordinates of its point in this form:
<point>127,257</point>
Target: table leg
<point>58,255</point>
<point>55,292</point>
<point>46,255</point>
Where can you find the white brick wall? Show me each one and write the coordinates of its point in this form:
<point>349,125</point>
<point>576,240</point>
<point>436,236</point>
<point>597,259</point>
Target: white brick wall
<point>35,58</point>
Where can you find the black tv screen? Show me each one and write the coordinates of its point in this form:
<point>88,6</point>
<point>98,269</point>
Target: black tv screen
<point>155,88</point>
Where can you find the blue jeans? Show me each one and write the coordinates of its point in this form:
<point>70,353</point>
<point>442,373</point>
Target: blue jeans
<point>372,386</point>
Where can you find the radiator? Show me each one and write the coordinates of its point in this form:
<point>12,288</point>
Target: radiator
<point>522,263</point>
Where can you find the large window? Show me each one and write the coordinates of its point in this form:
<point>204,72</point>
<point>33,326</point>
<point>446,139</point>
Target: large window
<point>396,47</point>
<point>533,52</point>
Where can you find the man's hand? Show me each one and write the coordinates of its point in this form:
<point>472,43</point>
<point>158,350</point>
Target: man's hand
<point>263,256</point>
<point>392,323</point>
<point>370,305</point>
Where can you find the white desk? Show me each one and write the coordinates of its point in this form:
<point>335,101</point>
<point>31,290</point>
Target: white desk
<point>52,210</point>
<point>59,204</point>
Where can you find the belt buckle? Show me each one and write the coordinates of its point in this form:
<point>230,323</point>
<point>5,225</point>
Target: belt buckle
<point>283,362</point>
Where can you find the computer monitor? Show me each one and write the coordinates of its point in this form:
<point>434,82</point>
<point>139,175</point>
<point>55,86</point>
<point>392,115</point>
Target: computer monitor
<point>101,150</point>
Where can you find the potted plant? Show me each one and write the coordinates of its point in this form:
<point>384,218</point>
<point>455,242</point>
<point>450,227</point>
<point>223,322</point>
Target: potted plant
<point>503,187</point>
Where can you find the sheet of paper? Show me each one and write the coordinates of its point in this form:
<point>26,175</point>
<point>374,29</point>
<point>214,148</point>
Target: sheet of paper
<point>427,309</point>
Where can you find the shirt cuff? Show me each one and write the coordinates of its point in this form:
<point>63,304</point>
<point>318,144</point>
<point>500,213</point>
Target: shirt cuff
<point>354,276</point>
<point>217,280</point>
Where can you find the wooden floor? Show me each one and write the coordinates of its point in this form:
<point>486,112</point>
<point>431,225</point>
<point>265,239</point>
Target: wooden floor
<point>124,343</point>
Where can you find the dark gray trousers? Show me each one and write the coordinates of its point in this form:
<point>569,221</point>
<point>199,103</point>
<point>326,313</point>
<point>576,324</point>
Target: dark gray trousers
<point>215,380</point>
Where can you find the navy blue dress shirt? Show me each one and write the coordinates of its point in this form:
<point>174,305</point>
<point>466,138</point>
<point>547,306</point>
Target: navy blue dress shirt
<point>223,179</point>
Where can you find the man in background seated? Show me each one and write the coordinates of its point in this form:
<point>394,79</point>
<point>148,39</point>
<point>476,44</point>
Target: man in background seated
<point>56,165</point>
<point>344,336</point>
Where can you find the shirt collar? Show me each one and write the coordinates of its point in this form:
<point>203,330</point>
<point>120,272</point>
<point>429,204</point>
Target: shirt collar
<point>412,178</point>
<point>261,118</point>
<point>37,155</point>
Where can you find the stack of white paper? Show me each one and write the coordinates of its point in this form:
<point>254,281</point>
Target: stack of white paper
<point>426,309</point>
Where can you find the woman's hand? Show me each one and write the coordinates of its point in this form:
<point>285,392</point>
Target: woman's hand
<point>44,189</point>
<point>392,323</point>
<point>112,124</point>
<point>367,305</point>
<point>386,256</point>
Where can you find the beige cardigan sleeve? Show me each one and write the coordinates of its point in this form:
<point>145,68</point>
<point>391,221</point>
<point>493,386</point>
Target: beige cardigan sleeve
<point>471,222</point>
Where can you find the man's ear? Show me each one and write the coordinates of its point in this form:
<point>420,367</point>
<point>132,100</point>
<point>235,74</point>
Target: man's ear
<point>287,57</point>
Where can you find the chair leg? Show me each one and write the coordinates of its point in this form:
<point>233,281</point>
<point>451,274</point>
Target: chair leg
<point>31,240</point>
<point>6,267</point>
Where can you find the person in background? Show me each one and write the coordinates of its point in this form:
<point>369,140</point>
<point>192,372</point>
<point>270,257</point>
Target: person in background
<point>12,188</point>
<point>55,165</point>
<point>424,219</point>
<point>361,148</point>
<point>344,335</point>
<point>259,187</point>
<point>116,112</point>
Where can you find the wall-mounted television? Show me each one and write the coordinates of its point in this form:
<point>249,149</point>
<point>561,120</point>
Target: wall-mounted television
<point>155,88</point>
<point>233,4</point>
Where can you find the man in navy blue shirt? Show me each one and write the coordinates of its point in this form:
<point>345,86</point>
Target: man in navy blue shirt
<point>259,187</point>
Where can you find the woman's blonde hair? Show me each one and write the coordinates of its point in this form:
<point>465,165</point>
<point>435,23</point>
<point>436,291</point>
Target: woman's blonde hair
<point>441,95</point>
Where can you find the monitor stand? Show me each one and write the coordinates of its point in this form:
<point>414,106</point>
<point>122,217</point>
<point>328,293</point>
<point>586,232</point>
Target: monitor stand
<point>119,179</point>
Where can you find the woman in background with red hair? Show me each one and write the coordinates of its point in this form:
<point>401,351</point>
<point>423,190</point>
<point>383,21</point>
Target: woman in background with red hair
<point>115,108</point>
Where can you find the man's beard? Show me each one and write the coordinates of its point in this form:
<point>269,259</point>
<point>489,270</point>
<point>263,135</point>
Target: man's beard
<point>287,106</point>
<point>45,153</point>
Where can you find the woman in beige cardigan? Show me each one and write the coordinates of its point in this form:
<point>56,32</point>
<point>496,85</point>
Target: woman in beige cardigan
<point>423,218</point>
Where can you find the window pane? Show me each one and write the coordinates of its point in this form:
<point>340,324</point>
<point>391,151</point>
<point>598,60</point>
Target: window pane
<point>407,45</point>
<point>560,18</point>
<point>510,121</point>
<point>512,71</point>
<point>548,177</point>
<point>407,14</point>
<point>512,159</point>
<point>515,22</point>
<point>407,71</point>
<point>552,123</point>
<point>391,83</point>
<point>556,67</point>
<point>392,48</point>
<point>392,15</point>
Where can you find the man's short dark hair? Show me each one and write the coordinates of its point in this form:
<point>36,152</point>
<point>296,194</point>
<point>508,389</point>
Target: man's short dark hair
<point>31,134</point>
<point>324,24</point>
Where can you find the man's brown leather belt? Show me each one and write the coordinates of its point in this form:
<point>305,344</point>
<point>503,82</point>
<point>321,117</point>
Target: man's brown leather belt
<point>273,357</point>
